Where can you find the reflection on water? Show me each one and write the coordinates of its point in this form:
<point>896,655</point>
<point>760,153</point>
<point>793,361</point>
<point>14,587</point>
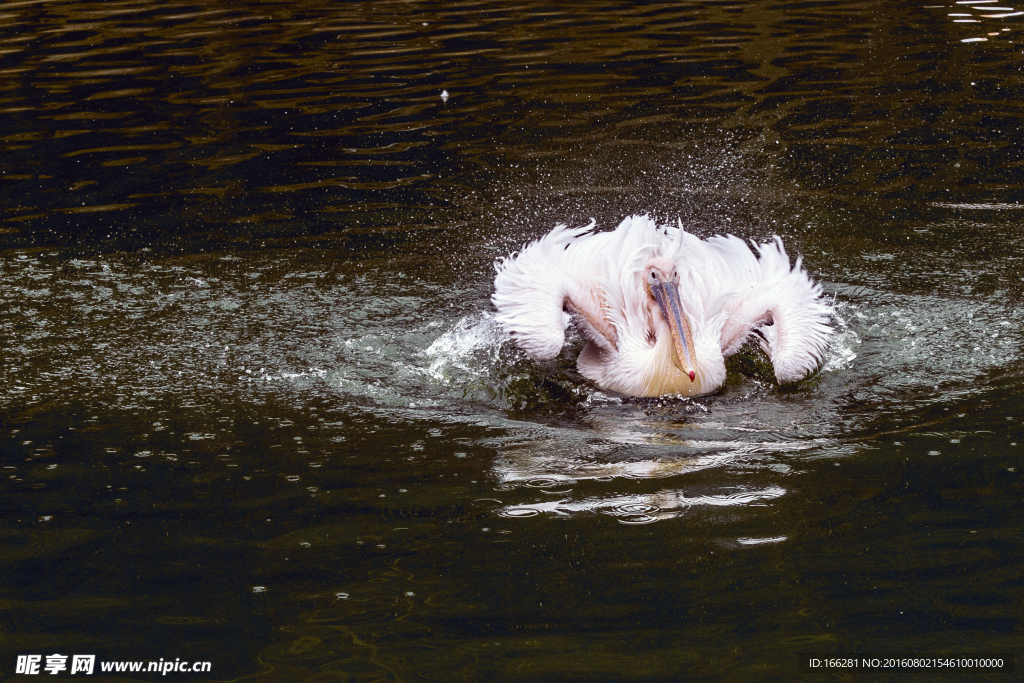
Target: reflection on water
<point>644,509</point>
<point>136,122</point>
<point>255,406</point>
<point>983,12</point>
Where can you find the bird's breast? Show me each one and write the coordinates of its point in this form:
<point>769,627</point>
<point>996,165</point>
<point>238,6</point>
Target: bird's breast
<point>638,369</point>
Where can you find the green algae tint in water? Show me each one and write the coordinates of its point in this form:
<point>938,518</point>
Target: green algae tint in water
<point>256,411</point>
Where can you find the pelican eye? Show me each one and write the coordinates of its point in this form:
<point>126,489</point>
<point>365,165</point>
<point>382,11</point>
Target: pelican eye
<point>652,275</point>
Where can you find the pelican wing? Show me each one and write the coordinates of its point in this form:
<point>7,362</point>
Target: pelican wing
<point>796,331</point>
<point>762,296</point>
<point>549,282</point>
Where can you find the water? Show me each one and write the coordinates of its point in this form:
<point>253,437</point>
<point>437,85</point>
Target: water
<point>256,411</point>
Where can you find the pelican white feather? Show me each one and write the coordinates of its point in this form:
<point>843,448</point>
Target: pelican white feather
<point>660,308</point>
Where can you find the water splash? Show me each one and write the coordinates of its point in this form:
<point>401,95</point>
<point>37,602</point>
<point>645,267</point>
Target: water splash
<point>470,349</point>
<point>841,354</point>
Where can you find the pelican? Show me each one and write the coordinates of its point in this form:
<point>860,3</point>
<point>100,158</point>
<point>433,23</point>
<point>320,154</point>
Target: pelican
<point>661,309</point>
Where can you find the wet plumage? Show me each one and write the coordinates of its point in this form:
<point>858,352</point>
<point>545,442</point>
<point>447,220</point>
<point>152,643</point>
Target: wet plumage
<point>661,309</point>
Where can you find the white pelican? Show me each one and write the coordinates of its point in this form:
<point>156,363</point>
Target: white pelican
<point>661,309</point>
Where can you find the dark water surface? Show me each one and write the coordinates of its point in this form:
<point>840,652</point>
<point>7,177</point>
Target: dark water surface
<point>255,410</point>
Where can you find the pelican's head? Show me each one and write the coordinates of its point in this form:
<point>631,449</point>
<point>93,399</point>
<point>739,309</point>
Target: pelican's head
<point>661,280</point>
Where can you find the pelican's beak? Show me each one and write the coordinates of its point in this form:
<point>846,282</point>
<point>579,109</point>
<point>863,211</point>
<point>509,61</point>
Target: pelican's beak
<point>667,296</point>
